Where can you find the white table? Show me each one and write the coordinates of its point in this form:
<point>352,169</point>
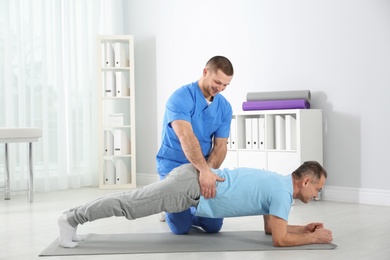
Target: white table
<point>19,135</point>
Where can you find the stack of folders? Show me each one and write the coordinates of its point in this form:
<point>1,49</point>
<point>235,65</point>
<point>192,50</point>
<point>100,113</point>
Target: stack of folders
<point>255,133</point>
<point>278,132</point>
<point>285,132</point>
<point>114,56</point>
<point>116,172</point>
<point>116,142</point>
<point>115,84</point>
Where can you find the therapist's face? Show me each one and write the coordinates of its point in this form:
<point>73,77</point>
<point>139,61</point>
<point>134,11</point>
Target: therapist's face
<point>214,82</point>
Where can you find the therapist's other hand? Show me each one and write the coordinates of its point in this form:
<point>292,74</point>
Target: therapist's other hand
<point>207,181</point>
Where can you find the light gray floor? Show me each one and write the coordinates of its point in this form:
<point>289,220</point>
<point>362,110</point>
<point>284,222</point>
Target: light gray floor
<point>360,231</point>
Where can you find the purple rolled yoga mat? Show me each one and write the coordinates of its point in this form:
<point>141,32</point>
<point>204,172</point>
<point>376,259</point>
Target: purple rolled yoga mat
<point>276,104</point>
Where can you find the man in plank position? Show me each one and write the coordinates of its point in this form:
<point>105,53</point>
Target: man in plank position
<point>245,192</point>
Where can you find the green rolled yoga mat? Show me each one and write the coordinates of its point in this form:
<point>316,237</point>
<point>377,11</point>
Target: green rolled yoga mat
<point>195,241</point>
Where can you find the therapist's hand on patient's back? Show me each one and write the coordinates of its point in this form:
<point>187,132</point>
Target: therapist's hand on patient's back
<point>207,181</point>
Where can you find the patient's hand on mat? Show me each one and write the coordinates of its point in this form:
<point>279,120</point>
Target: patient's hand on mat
<point>68,234</point>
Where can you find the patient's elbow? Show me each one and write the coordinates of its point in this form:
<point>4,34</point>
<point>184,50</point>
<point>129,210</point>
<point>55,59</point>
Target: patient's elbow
<point>278,242</point>
<point>267,230</point>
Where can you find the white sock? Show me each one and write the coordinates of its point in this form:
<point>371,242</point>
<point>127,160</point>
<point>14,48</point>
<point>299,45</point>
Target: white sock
<point>76,237</point>
<point>66,232</point>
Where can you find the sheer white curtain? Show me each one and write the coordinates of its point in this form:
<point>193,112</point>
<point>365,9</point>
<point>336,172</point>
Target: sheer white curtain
<point>48,79</point>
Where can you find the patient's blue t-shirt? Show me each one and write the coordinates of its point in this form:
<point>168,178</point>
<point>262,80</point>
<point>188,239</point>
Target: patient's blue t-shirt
<point>247,192</point>
<point>208,121</point>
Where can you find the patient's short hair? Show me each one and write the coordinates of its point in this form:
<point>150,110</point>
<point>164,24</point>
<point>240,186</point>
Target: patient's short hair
<point>312,168</point>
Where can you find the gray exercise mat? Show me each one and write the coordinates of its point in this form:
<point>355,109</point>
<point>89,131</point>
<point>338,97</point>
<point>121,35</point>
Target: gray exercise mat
<point>196,241</point>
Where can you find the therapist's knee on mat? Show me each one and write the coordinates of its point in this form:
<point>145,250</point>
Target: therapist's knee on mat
<point>210,225</point>
<point>179,223</point>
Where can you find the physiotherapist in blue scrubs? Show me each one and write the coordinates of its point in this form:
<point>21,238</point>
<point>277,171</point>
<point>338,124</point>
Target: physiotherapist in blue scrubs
<point>195,130</point>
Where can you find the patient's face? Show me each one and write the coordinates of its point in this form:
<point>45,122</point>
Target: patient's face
<point>310,188</point>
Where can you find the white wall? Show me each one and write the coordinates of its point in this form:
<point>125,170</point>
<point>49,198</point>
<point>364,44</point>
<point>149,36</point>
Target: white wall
<point>139,21</point>
<point>337,49</point>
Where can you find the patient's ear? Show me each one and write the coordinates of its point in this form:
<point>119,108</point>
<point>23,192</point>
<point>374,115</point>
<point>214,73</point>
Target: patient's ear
<point>305,181</point>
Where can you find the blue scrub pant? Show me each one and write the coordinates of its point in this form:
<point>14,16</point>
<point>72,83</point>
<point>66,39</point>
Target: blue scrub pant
<point>180,223</point>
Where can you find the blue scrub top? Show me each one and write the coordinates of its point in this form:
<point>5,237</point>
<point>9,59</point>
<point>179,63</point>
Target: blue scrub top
<point>208,121</point>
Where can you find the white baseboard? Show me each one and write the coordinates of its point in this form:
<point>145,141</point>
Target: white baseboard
<point>356,195</point>
<point>144,179</point>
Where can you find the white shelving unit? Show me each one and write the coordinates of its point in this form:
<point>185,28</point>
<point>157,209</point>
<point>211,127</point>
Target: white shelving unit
<point>117,162</point>
<point>276,140</point>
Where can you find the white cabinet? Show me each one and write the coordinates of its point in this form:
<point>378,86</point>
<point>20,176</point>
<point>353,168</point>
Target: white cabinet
<point>117,162</point>
<point>276,140</point>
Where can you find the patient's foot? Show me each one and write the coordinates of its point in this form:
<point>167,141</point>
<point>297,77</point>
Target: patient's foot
<point>161,216</point>
<point>67,232</point>
<point>75,237</point>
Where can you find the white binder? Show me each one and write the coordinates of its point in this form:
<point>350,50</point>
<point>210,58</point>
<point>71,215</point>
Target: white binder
<point>122,90</point>
<point>109,172</point>
<point>122,175</point>
<point>120,55</point>
<point>233,126</point>
<point>248,133</point>
<point>109,55</point>
<point>280,133</point>
<point>255,133</point>
<point>121,143</point>
<point>291,133</point>
<point>261,133</point>
<point>108,143</point>
<point>270,132</point>
<point>109,84</point>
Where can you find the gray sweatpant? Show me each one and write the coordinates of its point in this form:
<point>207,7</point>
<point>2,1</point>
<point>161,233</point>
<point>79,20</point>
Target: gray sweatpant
<point>177,192</point>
